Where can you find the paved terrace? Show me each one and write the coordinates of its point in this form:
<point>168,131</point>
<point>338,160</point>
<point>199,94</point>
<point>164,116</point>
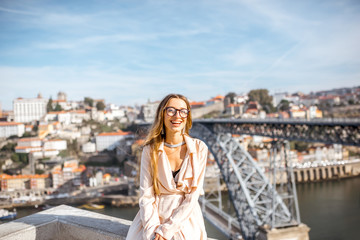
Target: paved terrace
<point>65,222</point>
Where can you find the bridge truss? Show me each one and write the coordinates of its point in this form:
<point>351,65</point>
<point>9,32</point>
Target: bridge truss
<point>328,131</point>
<point>257,199</point>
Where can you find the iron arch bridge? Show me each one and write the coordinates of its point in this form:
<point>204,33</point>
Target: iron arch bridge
<point>258,200</point>
<point>328,131</point>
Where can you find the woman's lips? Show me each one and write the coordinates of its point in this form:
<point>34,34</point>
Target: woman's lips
<point>176,123</point>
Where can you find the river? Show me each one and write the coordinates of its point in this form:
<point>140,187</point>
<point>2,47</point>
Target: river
<point>331,209</point>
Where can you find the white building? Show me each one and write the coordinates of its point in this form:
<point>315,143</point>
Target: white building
<point>30,142</point>
<point>8,129</point>
<point>27,145</point>
<point>27,110</point>
<point>78,116</point>
<point>62,116</point>
<point>89,147</point>
<point>55,144</point>
<point>109,140</point>
<point>39,148</point>
<point>149,111</point>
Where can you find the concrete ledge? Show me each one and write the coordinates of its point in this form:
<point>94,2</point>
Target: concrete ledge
<point>64,222</point>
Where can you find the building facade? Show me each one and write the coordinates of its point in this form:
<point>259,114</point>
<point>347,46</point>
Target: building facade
<point>27,110</point>
<point>8,129</point>
<point>22,182</point>
<point>109,140</point>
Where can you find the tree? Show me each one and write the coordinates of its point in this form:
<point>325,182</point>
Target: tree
<point>284,105</point>
<point>15,157</point>
<point>88,101</point>
<point>263,98</point>
<point>100,106</point>
<point>49,107</point>
<point>231,96</point>
<point>299,146</point>
<point>58,108</point>
<point>9,147</point>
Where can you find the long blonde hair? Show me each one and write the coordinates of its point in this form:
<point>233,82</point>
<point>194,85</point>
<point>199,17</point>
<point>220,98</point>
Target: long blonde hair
<point>157,134</point>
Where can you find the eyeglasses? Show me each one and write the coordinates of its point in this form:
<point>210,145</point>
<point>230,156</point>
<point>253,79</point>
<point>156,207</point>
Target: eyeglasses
<point>170,111</point>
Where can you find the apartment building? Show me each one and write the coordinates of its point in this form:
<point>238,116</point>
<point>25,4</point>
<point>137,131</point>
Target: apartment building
<point>27,110</point>
<point>8,129</point>
<point>110,140</point>
<point>22,182</point>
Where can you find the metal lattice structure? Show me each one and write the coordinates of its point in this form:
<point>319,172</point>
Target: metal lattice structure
<point>328,131</point>
<point>255,199</point>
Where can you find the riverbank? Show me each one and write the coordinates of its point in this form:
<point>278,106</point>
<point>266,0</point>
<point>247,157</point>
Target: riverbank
<point>327,171</point>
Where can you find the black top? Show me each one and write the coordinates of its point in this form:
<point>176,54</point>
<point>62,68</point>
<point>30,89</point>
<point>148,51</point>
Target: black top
<point>175,172</point>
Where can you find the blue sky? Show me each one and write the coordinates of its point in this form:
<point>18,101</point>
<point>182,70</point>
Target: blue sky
<point>129,51</point>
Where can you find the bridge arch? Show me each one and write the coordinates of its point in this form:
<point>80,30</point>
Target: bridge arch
<point>255,199</point>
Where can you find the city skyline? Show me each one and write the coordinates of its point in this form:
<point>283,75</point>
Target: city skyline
<point>130,51</point>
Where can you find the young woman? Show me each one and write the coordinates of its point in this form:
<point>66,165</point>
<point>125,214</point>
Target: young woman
<point>171,177</point>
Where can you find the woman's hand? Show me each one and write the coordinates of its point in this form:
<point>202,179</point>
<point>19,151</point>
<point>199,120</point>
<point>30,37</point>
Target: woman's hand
<point>158,237</point>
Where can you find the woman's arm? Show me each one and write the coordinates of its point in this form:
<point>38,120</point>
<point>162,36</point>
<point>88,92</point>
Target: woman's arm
<point>183,212</point>
<point>147,201</point>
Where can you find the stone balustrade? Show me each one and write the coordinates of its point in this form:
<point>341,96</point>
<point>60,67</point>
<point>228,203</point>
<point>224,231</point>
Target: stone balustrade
<point>65,222</point>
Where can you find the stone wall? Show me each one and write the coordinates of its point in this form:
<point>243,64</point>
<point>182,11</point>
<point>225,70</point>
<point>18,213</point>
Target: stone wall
<point>199,112</point>
<point>64,222</point>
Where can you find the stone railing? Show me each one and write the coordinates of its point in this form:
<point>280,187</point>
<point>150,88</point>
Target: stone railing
<point>64,222</point>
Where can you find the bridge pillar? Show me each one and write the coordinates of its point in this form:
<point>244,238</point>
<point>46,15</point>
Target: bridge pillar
<point>329,172</point>
<point>309,175</point>
<point>322,173</point>
<point>317,173</point>
<point>348,170</point>
<point>300,232</point>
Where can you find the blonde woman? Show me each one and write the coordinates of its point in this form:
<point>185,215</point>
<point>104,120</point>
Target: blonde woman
<point>171,177</point>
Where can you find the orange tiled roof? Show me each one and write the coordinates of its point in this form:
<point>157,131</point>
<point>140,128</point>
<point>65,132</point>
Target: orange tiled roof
<point>219,97</point>
<point>77,111</point>
<point>118,133</point>
<point>233,105</point>
<point>58,112</point>
<point>197,103</point>
<point>9,123</point>
<point>25,147</point>
<point>5,176</point>
<point>29,139</point>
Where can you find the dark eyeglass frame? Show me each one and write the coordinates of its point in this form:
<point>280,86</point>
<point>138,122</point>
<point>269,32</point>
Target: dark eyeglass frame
<point>177,110</point>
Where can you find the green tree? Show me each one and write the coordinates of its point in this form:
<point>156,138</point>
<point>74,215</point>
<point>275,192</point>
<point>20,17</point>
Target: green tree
<point>284,105</point>
<point>24,158</point>
<point>28,134</point>
<point>299,145</point>
<point>100,106</point>
<point>58,108</point>
<point>9,147</point>
<point>231,96</point>
<point>263,98</point>
<point>88,101</point>
<point>15,157</point>
<point>49,107</point>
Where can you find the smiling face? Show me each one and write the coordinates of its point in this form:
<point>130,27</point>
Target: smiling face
<point>175,123</point>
